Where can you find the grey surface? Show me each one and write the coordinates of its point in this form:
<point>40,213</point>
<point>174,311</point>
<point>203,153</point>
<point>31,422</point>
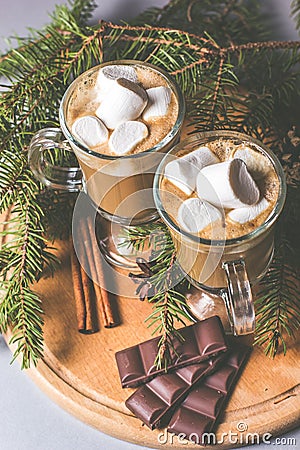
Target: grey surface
<point>17,16</point>
<point>29,419</point>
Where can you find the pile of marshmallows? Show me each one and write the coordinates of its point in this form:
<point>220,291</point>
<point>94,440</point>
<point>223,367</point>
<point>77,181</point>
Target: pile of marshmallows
<point>218,185</point>
<point>121,100</point>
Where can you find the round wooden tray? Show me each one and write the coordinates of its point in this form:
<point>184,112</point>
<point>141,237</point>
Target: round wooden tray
<point>79,372</point>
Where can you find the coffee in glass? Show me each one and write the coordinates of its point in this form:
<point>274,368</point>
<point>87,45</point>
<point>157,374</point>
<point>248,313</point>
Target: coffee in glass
<point>220,194</point>
<point>119,118</point>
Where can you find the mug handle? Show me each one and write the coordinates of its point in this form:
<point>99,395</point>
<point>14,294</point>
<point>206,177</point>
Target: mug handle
<point>53,176</point>
<point>238,297</point>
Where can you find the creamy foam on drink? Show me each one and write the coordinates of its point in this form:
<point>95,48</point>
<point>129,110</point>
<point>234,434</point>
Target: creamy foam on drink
<point>223,189</point>
<point>118,95</point>
<point>121,110</point>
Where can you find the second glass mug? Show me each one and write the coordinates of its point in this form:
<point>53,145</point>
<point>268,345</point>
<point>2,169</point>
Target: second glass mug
<point>226,268</point>
<point>119,187</point>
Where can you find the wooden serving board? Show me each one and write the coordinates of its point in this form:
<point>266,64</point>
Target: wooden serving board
<point>79,371</point>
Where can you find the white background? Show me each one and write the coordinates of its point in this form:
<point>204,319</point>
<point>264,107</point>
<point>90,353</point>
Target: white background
<point>29,420</point>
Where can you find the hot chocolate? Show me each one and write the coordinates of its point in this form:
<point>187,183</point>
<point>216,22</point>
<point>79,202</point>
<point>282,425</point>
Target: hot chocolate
<point>88,98</point>
<point>223,189</point>
<point>121,116</point>
<point>220,194</point>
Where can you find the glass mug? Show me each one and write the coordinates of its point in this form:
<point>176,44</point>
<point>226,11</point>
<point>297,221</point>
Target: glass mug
<point>225,267</point>
<point>119,187</point>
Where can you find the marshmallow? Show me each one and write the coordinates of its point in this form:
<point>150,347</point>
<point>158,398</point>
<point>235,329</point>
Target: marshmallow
<point>126,136</point>
<point>158,102</point>
<point>183,171</point>
<point>257,164</point>
<point>227,184</point>
<point>108,75</point>
<point>90,131</point>
<point>125,101</point>
<point>248,213</point>
<point>194,215</point>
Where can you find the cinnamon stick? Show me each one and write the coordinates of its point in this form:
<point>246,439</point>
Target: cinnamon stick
<point>104,298</point>
<point>83,297</point>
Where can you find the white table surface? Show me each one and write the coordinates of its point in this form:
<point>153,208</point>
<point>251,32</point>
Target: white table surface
<point>29,419</point>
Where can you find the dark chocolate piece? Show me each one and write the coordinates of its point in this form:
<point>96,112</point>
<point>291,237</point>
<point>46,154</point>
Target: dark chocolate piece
<point>154,402</point>
<point>197,415</point>
<point>201,341</point>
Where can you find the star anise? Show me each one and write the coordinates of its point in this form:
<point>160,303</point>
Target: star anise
<point>145,288</point>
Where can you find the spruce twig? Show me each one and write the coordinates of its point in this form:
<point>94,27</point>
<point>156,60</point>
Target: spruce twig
<point>162,283</point>
<point>277,305</point>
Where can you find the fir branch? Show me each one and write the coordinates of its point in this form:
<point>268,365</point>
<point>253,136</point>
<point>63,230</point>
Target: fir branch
<point>228,21</point>
<point>257,46</point>
<point>166,310</point>
<point>164,282</point>
<point>36,72</point>
<point>295,12</point>
<point>57,207</point>
<point>27,257</point>
<point>80,10</point>
<point>277,305</point>
<point>196,65</point>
